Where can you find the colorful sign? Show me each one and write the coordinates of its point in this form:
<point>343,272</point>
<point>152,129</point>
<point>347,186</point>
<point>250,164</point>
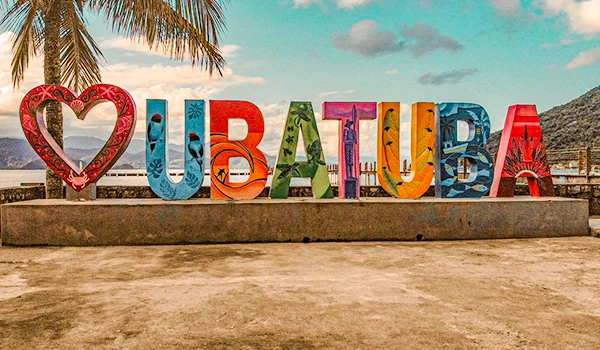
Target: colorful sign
<point>422,150</point>
<point>32,122</point>
<point>222,149</point>
<point>157,141</point>
<point>301,118</point>
<point>349,114</point>
<point>522,153</point>
<point>435,147</point>
<point>472,151</point>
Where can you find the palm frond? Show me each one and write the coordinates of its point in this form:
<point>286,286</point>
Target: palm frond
<point>79,52</point>
<point>24,19</point>
<point>181,28</point>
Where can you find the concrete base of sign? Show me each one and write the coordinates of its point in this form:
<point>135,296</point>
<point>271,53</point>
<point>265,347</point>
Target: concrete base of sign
<point>87,194</point>
<point>595,226</point>
<point>154,221</point>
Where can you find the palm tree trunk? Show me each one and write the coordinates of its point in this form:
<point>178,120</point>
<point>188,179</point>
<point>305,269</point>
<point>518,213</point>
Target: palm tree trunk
<point>52,74</point>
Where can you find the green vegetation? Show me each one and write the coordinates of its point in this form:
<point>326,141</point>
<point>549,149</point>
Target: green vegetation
<point>573,125</point>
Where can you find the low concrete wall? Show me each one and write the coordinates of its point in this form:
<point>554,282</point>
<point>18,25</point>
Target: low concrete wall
<point>576,179</point>
<point>591,192</point>
<point>204,192</point>
<point>19,194</point>
<point>154,221</point>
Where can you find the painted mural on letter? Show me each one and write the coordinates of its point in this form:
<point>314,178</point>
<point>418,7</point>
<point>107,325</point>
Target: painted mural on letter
<point>301,118</point>
<point>222,149</point>
<point>34,127</point>
<point>450,150</point>
<point>157,162</point>
<point>522,153</point>
<point>422,149</point>
<point>349,114</point>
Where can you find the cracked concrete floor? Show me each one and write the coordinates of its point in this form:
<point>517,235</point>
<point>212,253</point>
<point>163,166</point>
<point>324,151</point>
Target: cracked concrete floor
<point>509,294</point>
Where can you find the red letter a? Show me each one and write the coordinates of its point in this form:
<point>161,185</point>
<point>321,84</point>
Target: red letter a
<point>522,153</point>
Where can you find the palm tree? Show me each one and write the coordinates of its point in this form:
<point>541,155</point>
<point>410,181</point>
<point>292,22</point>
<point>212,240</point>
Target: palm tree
<point>57,28</point>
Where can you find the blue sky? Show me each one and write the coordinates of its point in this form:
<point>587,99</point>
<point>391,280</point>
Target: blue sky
<point>492,52</point>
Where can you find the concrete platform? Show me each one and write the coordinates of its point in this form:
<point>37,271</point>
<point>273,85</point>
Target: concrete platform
<point>154,221</point>
<point>595,226</point>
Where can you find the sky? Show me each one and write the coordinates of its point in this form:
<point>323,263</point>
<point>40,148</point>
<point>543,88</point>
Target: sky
<point>495,53</point>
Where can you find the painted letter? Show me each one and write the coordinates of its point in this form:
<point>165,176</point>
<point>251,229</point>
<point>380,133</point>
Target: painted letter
<point>422,149</point>
<point>450,150</point>
<point>157,164</point>
<point>522,152</point>
<point>301,118</point>
<point>349,114</point>
<point>222,149</point>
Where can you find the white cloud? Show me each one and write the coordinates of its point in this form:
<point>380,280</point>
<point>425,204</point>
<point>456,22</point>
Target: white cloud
<point>229,51</point>
<point>343,4</point>
<point>133,76</point>
<point>585,58</point>
<point>583,15</point>
<point>172,83</point>
<point>305,3</point>
<point>447,77</point>
<point>427,39</point>
<point>392,72</point>
<point>122,43</point>
<point>508,8</point>
<point>365,39</point>
<point>336,94</point>
<point>350,4</point>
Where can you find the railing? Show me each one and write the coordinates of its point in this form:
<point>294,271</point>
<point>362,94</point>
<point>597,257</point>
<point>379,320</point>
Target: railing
<point>586,158</point>
<point>587,161</point>
<point>368,172</point>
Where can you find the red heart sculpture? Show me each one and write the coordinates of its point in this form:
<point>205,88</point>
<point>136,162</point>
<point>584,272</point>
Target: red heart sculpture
<point>32,122</point>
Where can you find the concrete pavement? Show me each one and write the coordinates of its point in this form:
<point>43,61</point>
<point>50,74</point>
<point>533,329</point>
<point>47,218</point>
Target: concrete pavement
<point>505,294</point>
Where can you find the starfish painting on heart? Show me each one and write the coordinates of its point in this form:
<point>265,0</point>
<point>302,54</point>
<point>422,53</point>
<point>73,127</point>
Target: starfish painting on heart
<point>33,124</point>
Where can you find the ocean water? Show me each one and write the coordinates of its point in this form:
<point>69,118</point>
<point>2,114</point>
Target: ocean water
<point>13,178</point>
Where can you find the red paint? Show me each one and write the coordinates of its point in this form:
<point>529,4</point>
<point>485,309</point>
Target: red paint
<point>32,122</point>
<point>522,153</point>
<point>222,149</point>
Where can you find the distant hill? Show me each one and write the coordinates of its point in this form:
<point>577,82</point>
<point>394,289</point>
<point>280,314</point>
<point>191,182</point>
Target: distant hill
<point>18,154</point>
<point>86,142</point>
<point>572,125</point>
<point>15,153</point>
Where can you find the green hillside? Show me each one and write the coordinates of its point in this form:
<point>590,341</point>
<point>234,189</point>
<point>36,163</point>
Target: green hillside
<point>572,125</point>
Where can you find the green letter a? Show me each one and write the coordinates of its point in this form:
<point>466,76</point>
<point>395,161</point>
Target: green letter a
<point>301,118</point>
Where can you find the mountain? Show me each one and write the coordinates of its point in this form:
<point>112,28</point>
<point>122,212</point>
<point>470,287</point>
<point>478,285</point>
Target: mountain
<point>15,153</point>
<point>18,154</point>
<point>86,142</point>
<point>572,125</point>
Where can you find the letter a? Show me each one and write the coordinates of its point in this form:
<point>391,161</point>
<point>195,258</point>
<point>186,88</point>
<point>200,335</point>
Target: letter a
<point>157,164</point>
<point>222,149</point>
<point>522,152</point>
<point>422,149</point>
<point>301,118</point>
